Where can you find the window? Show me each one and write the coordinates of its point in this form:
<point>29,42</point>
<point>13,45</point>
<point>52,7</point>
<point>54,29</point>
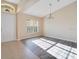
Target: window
<point>32,25</point>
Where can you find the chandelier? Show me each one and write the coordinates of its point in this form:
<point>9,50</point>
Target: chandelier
<point>50,14</point>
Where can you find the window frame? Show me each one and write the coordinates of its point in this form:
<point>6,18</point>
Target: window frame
<point>30,28</point>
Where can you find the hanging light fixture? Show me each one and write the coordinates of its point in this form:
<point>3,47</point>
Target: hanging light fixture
<point>50,14</point>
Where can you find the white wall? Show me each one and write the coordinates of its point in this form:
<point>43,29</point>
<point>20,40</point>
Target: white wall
<point>21,22</point>
<point>8,27</point>
<point>63,25</point>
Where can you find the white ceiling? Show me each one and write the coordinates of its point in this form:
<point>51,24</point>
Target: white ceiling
<point>13,1</point>
<point>41,7</point>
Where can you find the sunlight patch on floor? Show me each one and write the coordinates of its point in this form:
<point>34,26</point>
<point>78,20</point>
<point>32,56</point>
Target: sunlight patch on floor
<point>51,42</point>
<point>72,56</point>
<point>68,48</point>
<point>74,50</point>
<point>61,51</point>
<point>57,52</point>
<point>63,46</point>
<point>42,44</point>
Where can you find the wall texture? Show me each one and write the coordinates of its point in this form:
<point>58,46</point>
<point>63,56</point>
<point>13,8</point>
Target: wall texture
<point>63,25</point>
<point>21,22</point>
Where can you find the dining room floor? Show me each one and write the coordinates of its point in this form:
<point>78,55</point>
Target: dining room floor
<point>39,48</point>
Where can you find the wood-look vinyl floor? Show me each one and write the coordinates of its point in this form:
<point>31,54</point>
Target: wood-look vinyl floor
<point>16,50</point>
<point>26,49</point>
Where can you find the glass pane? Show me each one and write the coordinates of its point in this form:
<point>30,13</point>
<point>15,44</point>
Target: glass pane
<point>32,25</point>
